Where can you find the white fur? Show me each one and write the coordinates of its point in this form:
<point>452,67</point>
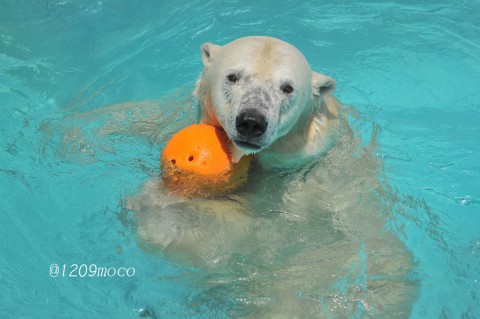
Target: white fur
<point>301,125</point>
<point>310,244</point>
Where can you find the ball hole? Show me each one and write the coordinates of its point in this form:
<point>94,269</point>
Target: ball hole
<point>173,161</point>
<point>190,158</point>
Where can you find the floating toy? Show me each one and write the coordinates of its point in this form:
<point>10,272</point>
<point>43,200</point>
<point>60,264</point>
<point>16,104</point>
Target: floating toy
<point>196,162</point>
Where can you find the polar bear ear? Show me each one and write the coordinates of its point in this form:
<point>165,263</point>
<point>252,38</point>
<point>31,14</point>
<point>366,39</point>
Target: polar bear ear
<point>208,52</point>
<point>322,85</point>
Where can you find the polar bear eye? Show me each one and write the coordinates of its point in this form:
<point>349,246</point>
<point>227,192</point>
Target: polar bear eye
<point>286,88</point>
<point>232,78</point>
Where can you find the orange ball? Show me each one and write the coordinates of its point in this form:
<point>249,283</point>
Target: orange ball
<point>196,162</point>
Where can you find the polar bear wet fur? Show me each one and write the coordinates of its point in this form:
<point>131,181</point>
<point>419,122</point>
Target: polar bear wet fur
<point>307,244</point>
<point>262,92</point>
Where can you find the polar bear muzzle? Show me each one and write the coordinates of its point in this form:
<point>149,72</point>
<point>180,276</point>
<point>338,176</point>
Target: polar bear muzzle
<point>252,118</point>
<point>251,124</point>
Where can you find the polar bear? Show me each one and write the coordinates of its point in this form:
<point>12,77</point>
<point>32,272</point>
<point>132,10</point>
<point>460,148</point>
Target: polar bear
<point>307,239</point>
<point>262,92</point>
<point>308,243</point>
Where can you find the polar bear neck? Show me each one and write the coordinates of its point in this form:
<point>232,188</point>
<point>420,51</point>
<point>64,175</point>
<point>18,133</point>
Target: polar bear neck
<point>312,136</point>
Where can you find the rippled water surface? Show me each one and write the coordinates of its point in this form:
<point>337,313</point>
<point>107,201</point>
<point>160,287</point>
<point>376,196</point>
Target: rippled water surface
<point>387,222</point>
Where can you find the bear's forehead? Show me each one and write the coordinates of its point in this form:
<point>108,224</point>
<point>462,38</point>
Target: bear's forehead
<point>263,48</point>
<point>263,56</point>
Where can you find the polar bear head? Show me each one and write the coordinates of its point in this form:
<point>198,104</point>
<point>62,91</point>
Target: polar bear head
<point>257,89</point>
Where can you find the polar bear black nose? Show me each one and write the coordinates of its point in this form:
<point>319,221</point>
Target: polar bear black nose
<point>251,124</point>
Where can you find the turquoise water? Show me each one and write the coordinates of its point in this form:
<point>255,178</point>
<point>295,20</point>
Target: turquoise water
<point>70,155</point>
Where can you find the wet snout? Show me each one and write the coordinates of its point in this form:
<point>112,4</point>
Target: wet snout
<point>251,124</point>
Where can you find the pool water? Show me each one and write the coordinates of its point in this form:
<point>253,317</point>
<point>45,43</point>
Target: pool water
<point>91,90</point>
